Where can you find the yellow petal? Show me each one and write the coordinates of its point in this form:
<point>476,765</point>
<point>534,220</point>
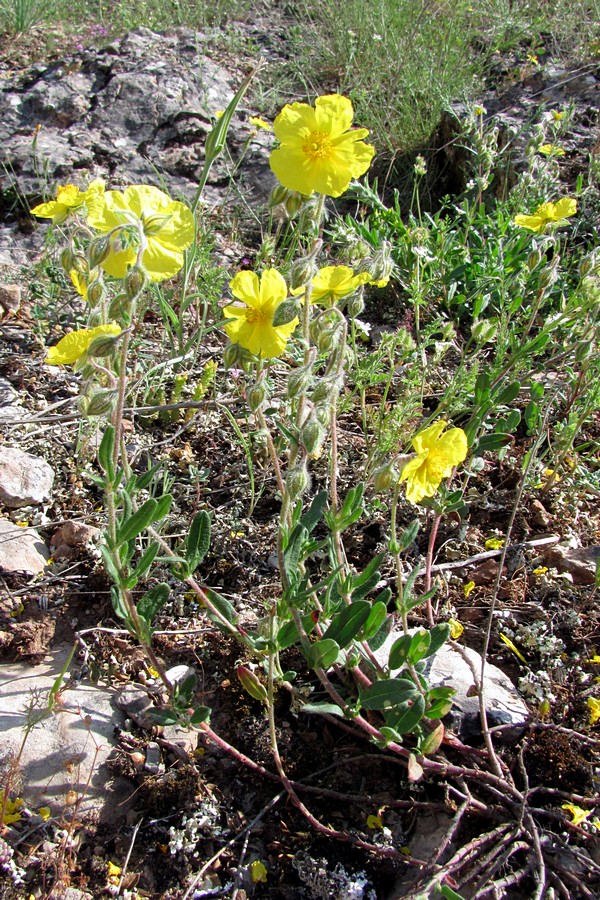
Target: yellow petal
<point>456,628</point>
<point>594,708</point>
<point>73,345</point>
<point>512,647</point>
<point>425,439</point>
<point>258,871</point>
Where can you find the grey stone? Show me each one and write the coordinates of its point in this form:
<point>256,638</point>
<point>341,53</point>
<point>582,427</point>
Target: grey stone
<point>67,751</point>
<point>24,479</point>
<point>136,705</point>
<point>9,406</point>
<point>21,549</point>
<point>153,763</point>
<point>581,563</point>
<point>177,674</point>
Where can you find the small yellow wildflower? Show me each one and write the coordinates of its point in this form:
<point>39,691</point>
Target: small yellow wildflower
<point>81,284</point>
<point>512,647</point>
<point>252,325</point>
<point>17,612</point>
<point>494,543</point>
<point>22,523</point>
<point>258,872</point>
<point>332,283</point>
<point>556,115</point>
<point>456,629</point>
<point>548,214</point>
<point>541,570</point>
<point>551,150</point>
<point>594,708</point>
<point>68,199</point>
<point>114,873</point>
<point>437,455</point>
<point>44,812</point>
<point>70,348</point>
<point>259,122</point>
<point>317,150</point>
<point>219,114</point>
<point>594,661</point>
<point>532,58</point>
<point>468,587</point>
<point>374,822</point>
<point>480,110</point>
<point>11,810</point>
<point>579,815</point>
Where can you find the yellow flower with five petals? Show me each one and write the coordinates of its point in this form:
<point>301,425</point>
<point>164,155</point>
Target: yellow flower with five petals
<point>251,325</point>
<point>437,455</point>
<point>333,283</point>
<point>167,227</point>
<point>594,708</point>
<point>548,214</point>
<point>70,348</point>
<point>68,199</point>
<point>578,815</point>
<point>317,151</point>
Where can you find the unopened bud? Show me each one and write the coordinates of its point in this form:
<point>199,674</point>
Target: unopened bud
<point>293,203</point>
<point>325,392</point>
<point>134,282</point>
<point>286,312</point>
<point>95,292</point>
<point>382,263</point>
<point>279,195</point>
<point>483,332</point>
<point>98,251</point>
<point>355,304</point>
<point>256,395</point>
<point>80,264</point>
<point>66,259</point>
<point>298,383</point>
<point>303,271</point>
<point>296,482</point>
<point>383,477</point>
<point>103,345</point>
<point>534,259</point>
<point>120,308</point>
<point>548,277</point>
<point>312,436</point>
<point>101,403</point>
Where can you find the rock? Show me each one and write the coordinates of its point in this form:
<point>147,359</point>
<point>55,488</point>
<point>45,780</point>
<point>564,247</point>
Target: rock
<point>447,668</point>
<point>21,549</point>
<point>177,674</point>
<point>67,540</point>
<point>10,298</point>
<point>136,705</point>
<point>540,515</point>
<point>9,406</point>
<point>153,762</point>
<point>580,563</point>
<point>24,479</point>
<point>69,746</point>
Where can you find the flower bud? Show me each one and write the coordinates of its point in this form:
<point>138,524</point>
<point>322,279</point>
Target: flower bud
<point>103,345</point>
<point>298,383</point>
<point>297,482</point>
<point>303,271</point>
<point>98,251</point>
<point>383,477</point>
<point>95,292</point>
<point>120,308</point>
<point>80,264</point>
<point>534,259</point>
<point>135,281</point>
<point>279,195</point>
<point>483,332</point>
<point>355,303</point>
<point>312,436</point>
<point>256,395</point>
<point>101,403</point>
<point>66,259</point>
<point>286,312</point>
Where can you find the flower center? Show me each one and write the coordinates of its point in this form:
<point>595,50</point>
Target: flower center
<point>257,317</point>
<point>318,145</point>
<point>436,465</point>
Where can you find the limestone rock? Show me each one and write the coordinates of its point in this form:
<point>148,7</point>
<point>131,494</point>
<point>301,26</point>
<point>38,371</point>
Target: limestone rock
<point>21,549</point>
<point>9,406</point>
<point>580,563</point>
<point>24,479</point>
<point>70,537</point>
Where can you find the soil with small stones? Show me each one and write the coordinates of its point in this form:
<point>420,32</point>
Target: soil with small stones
<point>341,780</point>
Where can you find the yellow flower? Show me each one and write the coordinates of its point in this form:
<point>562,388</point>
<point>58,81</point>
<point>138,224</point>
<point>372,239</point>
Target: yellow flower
<point>258,871</point>
<point>541,570</point>
<point>73,345</point>
<point>252,325</point>
<point>80,284</point>
<point>332,283</point>
<point>317,151</point>
<point>594,708</point>
<point>494,543</point>
<point>456,628</point>
<point>68,199</point>
<point>259,122</point>
<point>512,647</point>
<point>11,811</point>
<point>374,822</point>
<point>547,214</point>
<point>557,116</point>
<point>114,873</point>
<point>468,587</point>
<point>579,815</point>
<point>595,660</point>
<point>551,150</point>
<point>167,225</point>
<point>437,455</point>
<point>44,812</point>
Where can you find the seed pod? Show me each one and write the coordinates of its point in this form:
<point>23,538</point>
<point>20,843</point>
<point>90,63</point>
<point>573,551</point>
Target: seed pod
<point>279,195</point>
<point>103,345</point>
<point>101,403</point>
<point>313,436</point>
<point>95,292</point>
<point>298,383</point>
<point>384,477</point>
<point>135,281</point>
<point>297,482</point>
<point>66,259</point>
<point>303,271</point>
<point>256,395</point>
<point>355,304</point>
<point>98,251</point>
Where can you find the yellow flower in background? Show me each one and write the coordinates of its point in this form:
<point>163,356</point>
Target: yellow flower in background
<point>494,543</point>
<point>114,873</point>
<point>251,326</point>
<point>541,570</point>
<point>45,812</point>
<point>578,814</point>
<point>551,150</point>
<point>437,455</point>
<point>168,228</point>
<point>374,822</point>
<point>317,150</point>
<point>68,199</point>
<point>456,629</point>
<point>467,588</point>
<point>259,122</point>
<point>80,284</point>
<point>258,872</point>
<point>73,345</point>
<point>332,283</point>
<point>557,116</point>
<point>548,214</point>
<point>11,810</point>
<point>506,640</point>
<point>594,708</point>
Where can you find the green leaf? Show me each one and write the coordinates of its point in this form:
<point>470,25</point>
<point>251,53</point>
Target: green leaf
<point>419,646</point>
<point>399,651</point>
<point>490,442</point>
<point>448,894</point>
<point>404,719</point>
<point>438,709</point>
<point>482,390</point>
<point>109,564</point>
<point>251,684</point>
<point>314,513</point>
<point>375,620</point>
<point>331,709</point>
<point>288,634</point>
<point>322,654</point>
<point>506,396</point>
<point>293,550</point>
<point>531,414</point>
<point>221,605</point>
<point>348,623</point>
<point>408,535</point>
<point>201,714</point>
<point>163,505</point>
<point>439,634</point>
<point>141,482</point>
<point>387,694</point>
<point>380,637</point>
<point>131,527</point>
<point>198,540</point>
<point>153,601</point>
<point>118,603</point>
<point>143,565</point>
<point>105,453</point>
<point>433,741</point>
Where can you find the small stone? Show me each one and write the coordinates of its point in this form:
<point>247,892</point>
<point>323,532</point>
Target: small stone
<point>178,674</point>
<point>136,704</point>
<point>540,514</point>
<point>10,298</point>
<point>21,549</point>
<point>69,537</point>
<point>153,763</point>
<point>24,479</point>
<point>579,563</point>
